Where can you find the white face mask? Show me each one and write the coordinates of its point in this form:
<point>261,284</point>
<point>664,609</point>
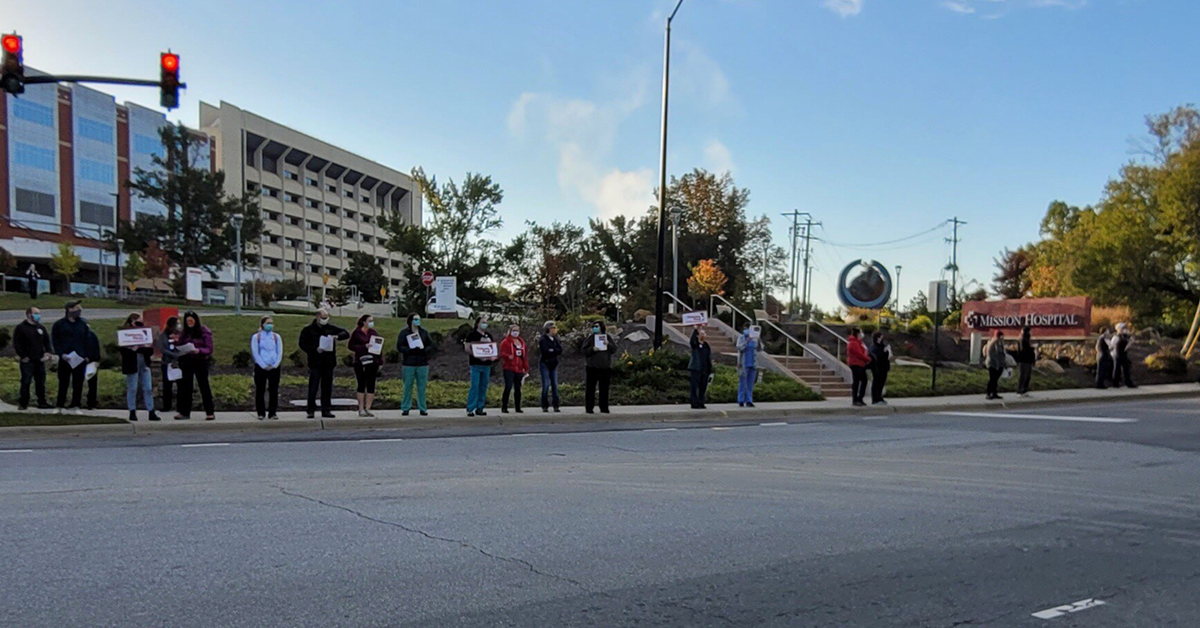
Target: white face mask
<point>371,324</point>
<point>322,321</point>
<point>515,333</point>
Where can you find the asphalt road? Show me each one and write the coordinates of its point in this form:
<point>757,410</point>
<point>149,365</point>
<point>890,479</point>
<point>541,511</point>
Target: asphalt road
<point>929,520</point>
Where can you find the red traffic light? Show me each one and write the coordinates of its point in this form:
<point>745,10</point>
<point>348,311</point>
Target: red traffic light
<point>170,62</point>
<point>11,43</point>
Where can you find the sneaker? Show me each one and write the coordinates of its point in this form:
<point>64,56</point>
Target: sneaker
<point>503,410</point>
<point>470,413</point>
<point>520,411</point>
<point>545,409</point>
<point>404,413</point>
<point>182,417</point>
<point>749,405</point>
<point>210,417</point>
<point>261,417</point>
<point>327,415</point>
<point>481,413</point>
<point>369,414</point>
<point>556,409</point>
<point>273,417</point>
<point>77,411</point>
<point>23,407</point>
<point>309,415</point>
<point>362,413</point>
<point>45,406</point>
<point>424,413</point>
<point>605,411</point>
<point>132,415</point>
<point>153,416</point>
<point>741,405</point>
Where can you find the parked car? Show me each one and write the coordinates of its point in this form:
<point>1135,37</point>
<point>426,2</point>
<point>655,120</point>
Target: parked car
<point>461,309</point>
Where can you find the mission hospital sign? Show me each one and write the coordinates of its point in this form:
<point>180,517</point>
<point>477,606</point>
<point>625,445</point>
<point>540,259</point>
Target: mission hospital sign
<point>1059,317</point>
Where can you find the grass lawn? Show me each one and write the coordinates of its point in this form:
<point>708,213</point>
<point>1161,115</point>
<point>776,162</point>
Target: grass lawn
<point>25,419</point>
<point>914,381</point>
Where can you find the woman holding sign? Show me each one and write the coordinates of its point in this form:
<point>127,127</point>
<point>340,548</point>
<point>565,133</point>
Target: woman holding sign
<point>136,343</point>
<point>514,359</point>
<point>165,342</point>
<point>415,346</point>
<point>267,349</point>
<point>196,344</point>
<point>368,356</point>
<point>483,353</point>
<point>598,349</point>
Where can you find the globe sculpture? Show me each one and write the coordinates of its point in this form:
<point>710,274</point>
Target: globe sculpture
<point>865,284</point>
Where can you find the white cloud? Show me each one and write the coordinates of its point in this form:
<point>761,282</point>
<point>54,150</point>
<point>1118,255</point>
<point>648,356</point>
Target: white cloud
<point>844,8</point>
<point>997,8</point>
<point>698,74</point>
<point>718,157</point>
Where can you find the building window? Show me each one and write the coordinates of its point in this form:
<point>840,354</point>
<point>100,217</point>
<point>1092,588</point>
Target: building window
<point>351,215</point>
<point>329,250</point>
<point>293,243</point>
<point>96,214</point>
<point>32,112</point>
<point>294,221</point>
<point>333,272</point>
<point>273,239</point>
<point>314,226</point>
<point>272,215</point>
<point>288,174</point>
<point>34,156</point>
<point>273,263</point>
<point>31,202</point>
<point>311,203</point>
<point>331,230</point>
<point>314,269</point>
<point>96,172</point>
<point>310,181</point>
<point>395,264</point>
<point>366,198</point>
<point>395,282</point>
<point>333,209</point>
<point>251,187</point>
<point>349,193</point>
<point>291,198</point>
<point>329,187</point>
<point>95,130</point>
<point>311,247</point>
<point>269,191</point>
<point>148,145</point>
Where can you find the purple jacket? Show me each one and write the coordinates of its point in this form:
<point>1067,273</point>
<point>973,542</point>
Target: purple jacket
<point>203,344</point>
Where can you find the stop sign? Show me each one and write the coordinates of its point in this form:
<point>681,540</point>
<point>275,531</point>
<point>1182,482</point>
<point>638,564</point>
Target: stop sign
<point>427,278</point>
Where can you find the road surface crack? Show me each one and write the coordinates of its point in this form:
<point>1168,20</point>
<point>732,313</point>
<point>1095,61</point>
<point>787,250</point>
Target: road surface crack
<point>443,539</point>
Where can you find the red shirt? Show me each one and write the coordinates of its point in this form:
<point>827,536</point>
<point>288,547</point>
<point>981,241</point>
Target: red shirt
<point>514,355</point>
<point>856,352</point>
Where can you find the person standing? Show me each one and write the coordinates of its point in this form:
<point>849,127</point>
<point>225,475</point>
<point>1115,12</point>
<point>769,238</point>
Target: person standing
<point>197,346</point>
<point>266,347</point>
<point>858,359</point>
<point>748,346</point>
<point>135,366</point>
<point>1104,359</point>
<point>164,343</point>
<point>598,350</point>
<point>514,361</point>
<point>700,368</point>
<point>366,363</point>
<point>1124,364</point>
<point>1026,357</point>
<point>32,276</point>
<point>415,346</point>
<point>995,359</point>
<point>549,350</point>
<point>69,337</point>
<point>881,364</point>
<point>31,342</point>
<point>321,360</point>
<point>481,368</point>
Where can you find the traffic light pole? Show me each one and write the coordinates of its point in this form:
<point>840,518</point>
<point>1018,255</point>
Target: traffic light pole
<point>76,78</point>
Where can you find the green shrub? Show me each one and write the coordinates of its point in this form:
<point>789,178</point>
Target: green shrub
<point>348,360</point>
<point>952,320</point>
<point>298,359</point>
<point>242,359</point>
<point>1167,361</point>
<point>920,325</point>
<point>868,328</point>
<point>392,357</point>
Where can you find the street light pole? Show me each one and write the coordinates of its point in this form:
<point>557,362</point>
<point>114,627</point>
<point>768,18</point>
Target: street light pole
<point>236,222</point>
<point>676,214</point>
<point>662,185</point>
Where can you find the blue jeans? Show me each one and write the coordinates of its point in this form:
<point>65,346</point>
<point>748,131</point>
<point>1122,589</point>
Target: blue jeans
<point>746,380</point>
<point>477,396</point>
<point>139,380</point>
<point>549,385</point>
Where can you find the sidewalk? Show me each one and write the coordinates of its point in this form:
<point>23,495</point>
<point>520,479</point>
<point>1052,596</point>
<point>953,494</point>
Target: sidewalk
<point>348,419</point>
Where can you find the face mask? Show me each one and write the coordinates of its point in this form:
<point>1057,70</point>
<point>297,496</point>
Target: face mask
<point>416,322</point>
<point>595,330</point>
<point>515,333</point>
<point>37,318</point>
<point>269,327</point>
<point>370,324</point>
<point>75,314</point>
<point>482,326</point>
<point>322,321</point>
<point>139,324</point>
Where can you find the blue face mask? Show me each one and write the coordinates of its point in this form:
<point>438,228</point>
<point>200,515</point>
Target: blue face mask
<point>416,322</point>
<point>37,318</point>
<point>269,327</point>
<point>482,326</point>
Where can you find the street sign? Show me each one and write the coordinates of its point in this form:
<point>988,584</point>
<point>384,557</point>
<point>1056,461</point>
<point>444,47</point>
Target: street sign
<point>427,278</point>
<point>383,292</point>
<point>325,279</point>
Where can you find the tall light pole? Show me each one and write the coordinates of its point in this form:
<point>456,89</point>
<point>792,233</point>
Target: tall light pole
<point>898,268</point>
<point>307,279</point>
<point>662,185</point>
<point>236,222</point>
<point>676,214</point>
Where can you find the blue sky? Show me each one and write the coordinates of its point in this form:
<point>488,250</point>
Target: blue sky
<point>880,117</point>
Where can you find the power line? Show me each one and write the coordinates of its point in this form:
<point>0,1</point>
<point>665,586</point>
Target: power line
<point>846,245</point>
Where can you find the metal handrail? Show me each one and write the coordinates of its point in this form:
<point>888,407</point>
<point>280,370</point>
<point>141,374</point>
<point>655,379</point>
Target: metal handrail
<point>712,310</point>
<point>676,299</point>
<point>842,342</point>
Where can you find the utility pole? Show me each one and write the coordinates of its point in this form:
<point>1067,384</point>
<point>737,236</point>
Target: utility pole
<point>807,259</point>
<point>794,231</point>
<point>662,186</point>
<point>953,268</point>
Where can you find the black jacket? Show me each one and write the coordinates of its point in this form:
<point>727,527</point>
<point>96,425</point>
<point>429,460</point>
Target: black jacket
<point>310,339</point>
<point>1025,352</point>
<point>701,355</point>
<point>129,358</point>
<point>881,362</point>
<point>478,336</point>
<point>92,346</point>
<point>415,357</point>
<point>549,348</point>
<point>68,336</point>
<point>31,340</point>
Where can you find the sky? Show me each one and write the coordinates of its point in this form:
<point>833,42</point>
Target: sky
<point>881,118</point>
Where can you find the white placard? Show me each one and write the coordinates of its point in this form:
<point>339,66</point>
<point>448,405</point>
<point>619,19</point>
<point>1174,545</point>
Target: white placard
<point>695,318</point>
<point>601,341</point>
<point>483,350</point>
<point>414,341</point>
<point>755,331</point>
<point>73,359</point>
<point>174,373</point>
<point>186,348</point>
<point>375,345</point>
<point>136,337</point>
<point>195,284</point>
<point>325,345</point>
<point>91,370</point>
<point>445,292</point>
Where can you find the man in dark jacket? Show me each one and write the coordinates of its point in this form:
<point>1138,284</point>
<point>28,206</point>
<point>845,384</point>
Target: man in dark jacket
<point>700,367</point>
<point>31,342</point>
<point>598,366</point>
<point>881,364</point>
<point>1124,364</point>
<point>321,362</point>
<point>1026,357</point>
<point>69,336</point>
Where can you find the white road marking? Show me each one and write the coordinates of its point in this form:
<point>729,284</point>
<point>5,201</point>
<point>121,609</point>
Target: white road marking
<point>381,440</point>
<point>206,445</point>
<point>662,429</point>
<point>16,451</point>
<point>772,424</point>
<point>529,434</point>
<point>1059,611</point>
<point>1040,417</point>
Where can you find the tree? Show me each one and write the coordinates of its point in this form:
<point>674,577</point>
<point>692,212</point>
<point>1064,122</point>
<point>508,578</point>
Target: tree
<point>762,248</point>
<point>196,230</point>
<point>452,241</point>
<point>65,262</point>
<point>707,279</point>
<point>558,268</point>
<point>366,273</point>
<point>713,224</point>
<point>135,269</point>
<point>1013,280</point>
<point>8,262</point>
<point>158,265</point>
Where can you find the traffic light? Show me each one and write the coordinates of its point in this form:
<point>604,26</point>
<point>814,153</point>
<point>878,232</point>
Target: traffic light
<point>12,72</point>
<point>170,80</point>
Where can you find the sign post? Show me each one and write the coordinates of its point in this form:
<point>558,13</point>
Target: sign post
<point>427,280</point>
<point>938,302</point>
<point>195,284</point>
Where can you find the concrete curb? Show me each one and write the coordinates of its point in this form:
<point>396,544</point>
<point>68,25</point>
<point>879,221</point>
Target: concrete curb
<point>538,419</point>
